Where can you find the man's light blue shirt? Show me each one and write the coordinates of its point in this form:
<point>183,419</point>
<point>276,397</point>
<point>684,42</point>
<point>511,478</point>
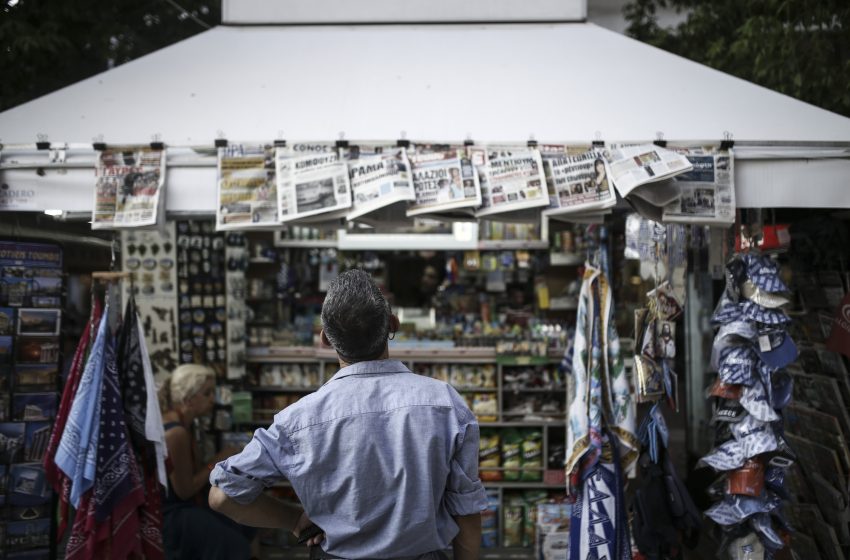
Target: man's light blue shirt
<point>380,457</point>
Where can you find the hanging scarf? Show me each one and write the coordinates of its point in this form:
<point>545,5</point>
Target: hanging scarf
<point>601,421</point>
<point>107,523</point>
<point>77,452</point>
<point>154,431</point>
<point>602,396</point>
<point>58,480</point>
<point>132,385</point>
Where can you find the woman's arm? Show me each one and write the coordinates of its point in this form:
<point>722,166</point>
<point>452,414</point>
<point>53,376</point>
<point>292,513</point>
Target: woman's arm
<point>185,480</point>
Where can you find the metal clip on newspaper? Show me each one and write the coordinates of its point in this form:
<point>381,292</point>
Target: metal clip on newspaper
<point>659,140</point>
<point>532,143</point>
<point>156,142</point>
<point>220,140</point>
<point>98,144</point>
<point>598,142</point>
<point>42,143</point>
<point>402,141</point>
<point>727,143</point>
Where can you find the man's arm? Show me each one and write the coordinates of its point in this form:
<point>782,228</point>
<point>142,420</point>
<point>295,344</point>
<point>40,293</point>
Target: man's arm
<point>266,511</point>
<point>467,542</point>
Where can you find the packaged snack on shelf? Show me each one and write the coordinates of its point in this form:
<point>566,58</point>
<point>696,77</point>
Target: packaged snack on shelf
<point>553,531</point>
<point>532,456</point>
<point>514,517</point>
<point>489,455</point>
<point>532,498</point>
<point>485,406</point>
<point>456,376</point>
<point>242,407</point>
<point>490,522</point>
<point>441,372</point>
<point>512,454</point>
<point>310,375</point>
<point>488,376</point>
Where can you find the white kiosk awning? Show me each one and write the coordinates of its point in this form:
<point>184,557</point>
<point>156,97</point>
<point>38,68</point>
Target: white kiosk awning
<point>491,82</point>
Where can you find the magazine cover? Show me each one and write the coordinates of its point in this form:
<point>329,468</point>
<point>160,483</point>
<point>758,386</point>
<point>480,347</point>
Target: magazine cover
<point>380,177</point>
<point>128,185</point>
<point>312,180</point>
<point>511,179</point>
<point>247,190</point>
<point>707,192</point>
<point>444,178</point>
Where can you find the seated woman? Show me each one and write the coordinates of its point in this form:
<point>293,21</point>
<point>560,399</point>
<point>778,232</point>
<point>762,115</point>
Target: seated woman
<point>190,529</point>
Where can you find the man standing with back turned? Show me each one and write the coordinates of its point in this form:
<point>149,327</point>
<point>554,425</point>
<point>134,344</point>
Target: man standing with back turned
<point>384,461</point>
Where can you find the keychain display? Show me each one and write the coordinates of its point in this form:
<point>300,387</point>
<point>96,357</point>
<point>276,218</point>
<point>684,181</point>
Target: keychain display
<point>150,256</point>
<point>202,300</point>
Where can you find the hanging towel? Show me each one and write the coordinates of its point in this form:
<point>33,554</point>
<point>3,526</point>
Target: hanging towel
<point>154,431</point>
<point>77,452</point>
<point>57,479</point>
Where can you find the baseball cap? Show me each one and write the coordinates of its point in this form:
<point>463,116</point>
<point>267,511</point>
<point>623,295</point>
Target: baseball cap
<point>734,508</point>
<point>782,387</point>
<point>756,401</point>
<point>724,390</point>
<point>763,272</point>
<point>726,311</point>
<point>750,437</point>
<point>764,529</point>
<point>761,297</point>
<point>754,312</point>
<point>736,365</point>
<point>776,348</point>
<point>748,547</point>
<point>734,333</point>
<point>728,410</point>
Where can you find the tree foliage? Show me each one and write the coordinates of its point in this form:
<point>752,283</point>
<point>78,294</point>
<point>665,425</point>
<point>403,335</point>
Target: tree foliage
<point>49,44</point>
<point>797,47</point>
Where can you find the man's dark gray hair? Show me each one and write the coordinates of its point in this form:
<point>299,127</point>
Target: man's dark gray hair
<point>356,317</point>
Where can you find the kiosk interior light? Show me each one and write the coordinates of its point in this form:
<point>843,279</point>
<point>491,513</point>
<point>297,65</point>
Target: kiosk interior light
<point>55,212</point>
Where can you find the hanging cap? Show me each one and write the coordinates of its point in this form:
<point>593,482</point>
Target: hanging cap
<point>748,547</point>
<point>776,348</point>
<point>735,333</point>
<point>732,510</point>
<point>764,273</point>
<point>782,389</point>
<point>757,402</point>
<point>751,437</point>
<point>728,410</point>
<point>755,312</point>
<point>755,294</point>
<point>737,364</point>
<point>725,390</point>
<point>726,311</point>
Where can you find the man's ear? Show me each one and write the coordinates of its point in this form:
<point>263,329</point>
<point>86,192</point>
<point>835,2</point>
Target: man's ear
<point>394,323</point>
<point>324,338</point>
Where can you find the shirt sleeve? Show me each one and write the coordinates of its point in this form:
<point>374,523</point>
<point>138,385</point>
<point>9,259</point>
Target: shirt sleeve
<point>263,462</point>
<point>464,491</point>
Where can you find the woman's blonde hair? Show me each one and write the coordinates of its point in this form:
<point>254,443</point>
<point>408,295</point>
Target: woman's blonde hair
<point>184,383</point>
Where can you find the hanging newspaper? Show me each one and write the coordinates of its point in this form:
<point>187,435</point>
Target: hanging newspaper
<point>511,179</point>
<point>578,184</point>
<point>312,183</point>
<point>443,180</point>
<point>129,183</point>
<point>246,187</point>
<point>380,177</point>
<point>631,166</point>
<point>707,192</point>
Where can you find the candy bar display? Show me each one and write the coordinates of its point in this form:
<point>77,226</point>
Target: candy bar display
<point>752,454</point>
<point>31,291</point>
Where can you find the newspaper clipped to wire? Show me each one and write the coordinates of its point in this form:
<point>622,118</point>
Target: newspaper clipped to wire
<point>128,187</point>
<point>444,178</point>
<point>631,166</point>
<point>247,192</point>
<point>511,179</point>
<point>312,182</point>
<point>578,183</point>
<point>380,177</point>
<point>707,193</point>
